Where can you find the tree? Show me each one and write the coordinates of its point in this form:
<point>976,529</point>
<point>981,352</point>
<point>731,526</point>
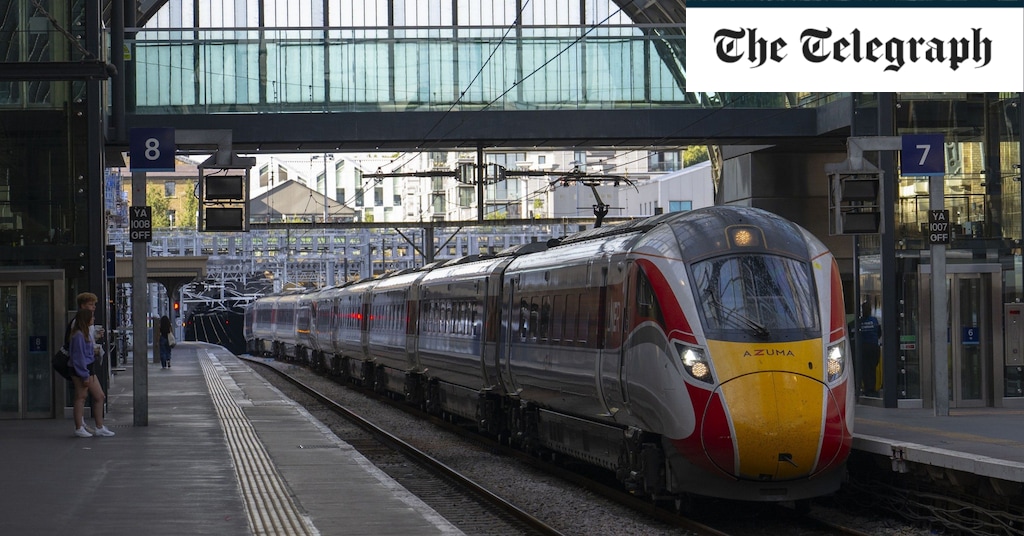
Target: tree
<point>155,198</point>
<point>695,154</point>
<point>189,207</point>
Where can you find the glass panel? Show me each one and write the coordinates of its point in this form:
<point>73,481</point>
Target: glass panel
<point>38,384</point>
<point>970,336</point>
<point>909,373</point>
<point>9,369</point>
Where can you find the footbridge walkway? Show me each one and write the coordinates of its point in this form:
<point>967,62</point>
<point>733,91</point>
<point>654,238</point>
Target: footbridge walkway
<point>336,84</point>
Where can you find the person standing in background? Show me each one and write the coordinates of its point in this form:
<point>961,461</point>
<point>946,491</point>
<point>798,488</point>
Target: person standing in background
<point>83,358</point>
<point>164,342</point>
<point>869,335</point>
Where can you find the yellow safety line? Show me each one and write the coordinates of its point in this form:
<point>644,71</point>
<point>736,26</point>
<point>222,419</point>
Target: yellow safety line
<point>268,503</point>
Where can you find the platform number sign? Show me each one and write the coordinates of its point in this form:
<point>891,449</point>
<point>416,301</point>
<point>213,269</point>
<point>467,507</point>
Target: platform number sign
<point>923,155</point>
<point>140,224</point>
<point>152,149</point>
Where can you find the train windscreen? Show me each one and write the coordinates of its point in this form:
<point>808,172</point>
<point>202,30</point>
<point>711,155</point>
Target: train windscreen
<point>759,296</point>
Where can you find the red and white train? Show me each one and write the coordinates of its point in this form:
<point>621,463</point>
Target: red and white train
<point>701,353</point>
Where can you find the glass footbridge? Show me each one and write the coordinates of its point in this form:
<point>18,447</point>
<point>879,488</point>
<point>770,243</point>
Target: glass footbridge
<point>283,88</point>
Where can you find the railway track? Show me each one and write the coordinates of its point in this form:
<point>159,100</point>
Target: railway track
<point>468,503</point>
<point>549,516</point>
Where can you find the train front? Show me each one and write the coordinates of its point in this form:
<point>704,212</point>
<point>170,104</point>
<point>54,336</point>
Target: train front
<point>767,366</point>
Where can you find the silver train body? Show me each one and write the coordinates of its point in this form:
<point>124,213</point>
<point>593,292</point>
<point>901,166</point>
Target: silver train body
<point>698,353</point>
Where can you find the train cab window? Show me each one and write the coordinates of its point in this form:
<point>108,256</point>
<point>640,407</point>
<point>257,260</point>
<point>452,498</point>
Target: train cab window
<point>754,295</point>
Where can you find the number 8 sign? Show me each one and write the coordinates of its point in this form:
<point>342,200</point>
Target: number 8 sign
<point>151,149</point>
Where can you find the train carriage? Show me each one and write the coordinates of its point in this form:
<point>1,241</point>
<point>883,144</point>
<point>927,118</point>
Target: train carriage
<point>349,339</point>
<point>458,335</point>
<point>393,305</point>
<point>323,325</point>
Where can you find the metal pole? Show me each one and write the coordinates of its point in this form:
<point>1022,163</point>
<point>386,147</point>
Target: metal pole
<point>325,190</point>
<point>940,326</point>
<point>140,307</point>
<point>480,170</point>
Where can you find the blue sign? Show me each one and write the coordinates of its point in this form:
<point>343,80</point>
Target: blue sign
<point>923,155</point>
<point>37,343</point>
<point>111,264</point>
<point>151,149</point>
<point>969,336</point>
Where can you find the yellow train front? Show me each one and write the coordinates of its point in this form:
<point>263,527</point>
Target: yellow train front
<point>760,332</point>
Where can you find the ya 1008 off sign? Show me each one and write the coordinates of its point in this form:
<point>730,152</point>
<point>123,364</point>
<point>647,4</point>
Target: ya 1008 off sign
<point>140,224</point>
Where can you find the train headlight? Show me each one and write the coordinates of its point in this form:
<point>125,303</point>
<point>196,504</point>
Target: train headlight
<point>695,362</point>
<point>835,362</point>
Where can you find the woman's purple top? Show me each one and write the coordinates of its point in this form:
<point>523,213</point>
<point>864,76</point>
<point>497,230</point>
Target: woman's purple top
<point>82,354</point>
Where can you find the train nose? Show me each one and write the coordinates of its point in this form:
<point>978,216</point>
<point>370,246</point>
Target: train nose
<point>775,422</point>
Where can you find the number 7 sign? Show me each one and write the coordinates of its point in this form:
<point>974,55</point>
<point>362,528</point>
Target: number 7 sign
<point>923,155</point>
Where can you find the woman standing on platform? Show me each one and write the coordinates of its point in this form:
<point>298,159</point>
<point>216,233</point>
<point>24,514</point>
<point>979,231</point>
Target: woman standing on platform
<point>165,343</point>
<point>83,358</point>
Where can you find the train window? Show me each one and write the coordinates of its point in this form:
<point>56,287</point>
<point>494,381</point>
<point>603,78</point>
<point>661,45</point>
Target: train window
<point>572,307</point>
<point>646,301</point>
<point>756,293</point>
<point>457,313</point>
<point>545,318</point>
<point>524,314</point>
<point>588,325</point>
<point>448,317</point>
<point>435,317</point>
<point>465,317</point>
<point>534,318</point>
<point>557,317</point>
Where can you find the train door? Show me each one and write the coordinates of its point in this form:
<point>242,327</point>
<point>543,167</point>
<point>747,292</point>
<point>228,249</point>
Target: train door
<point>611,360</point>
<point>510,321</point>
<point>973,300</point>
<point>31,318</point>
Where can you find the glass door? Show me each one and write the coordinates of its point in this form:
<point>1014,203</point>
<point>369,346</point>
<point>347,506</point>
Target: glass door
<point>28,333</point>
<point>969,338</point>
<point>973,333</point>
<point>10,357</point>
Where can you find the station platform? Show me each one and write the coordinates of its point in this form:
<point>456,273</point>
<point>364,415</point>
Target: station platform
<point>987,442</point>
<point>223,453</point>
